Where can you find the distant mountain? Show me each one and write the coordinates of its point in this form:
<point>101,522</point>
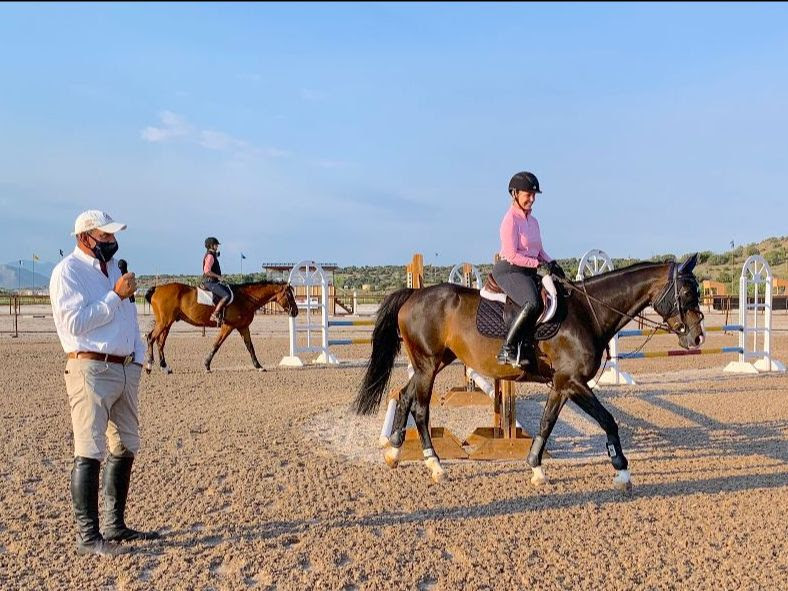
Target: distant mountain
<point>14,277</point>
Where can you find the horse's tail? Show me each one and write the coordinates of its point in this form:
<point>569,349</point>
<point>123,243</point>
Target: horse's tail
<point>385,348</point>
<point>149,293</point>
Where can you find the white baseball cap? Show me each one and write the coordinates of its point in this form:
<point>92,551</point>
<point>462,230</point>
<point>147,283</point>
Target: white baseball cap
<point>94,219</point>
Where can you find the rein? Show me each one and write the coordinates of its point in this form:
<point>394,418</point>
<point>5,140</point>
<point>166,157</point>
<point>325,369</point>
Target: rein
<point>655,326</point>
<point>255,301</point>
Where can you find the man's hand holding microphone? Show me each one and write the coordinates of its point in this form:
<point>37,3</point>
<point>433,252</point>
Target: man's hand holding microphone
<point>127,284</point>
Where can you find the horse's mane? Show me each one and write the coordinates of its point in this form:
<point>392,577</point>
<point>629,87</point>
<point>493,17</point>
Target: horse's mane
<point>618,273</point>
<point>257,283</point>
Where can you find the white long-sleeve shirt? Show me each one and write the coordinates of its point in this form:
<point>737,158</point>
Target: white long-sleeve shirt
<point>89,315</point>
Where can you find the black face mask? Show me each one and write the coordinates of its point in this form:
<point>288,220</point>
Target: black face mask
<point>104,251</point>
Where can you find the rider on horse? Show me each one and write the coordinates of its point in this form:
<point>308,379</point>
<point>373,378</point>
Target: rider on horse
<point>515,272</point>
<point>212,278</point>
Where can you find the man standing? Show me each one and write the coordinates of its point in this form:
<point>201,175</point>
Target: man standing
<point>97,326</point>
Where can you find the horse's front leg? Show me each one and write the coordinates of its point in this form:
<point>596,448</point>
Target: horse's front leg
<point>584,397</point>
<point>247,337</point>
<point>223,334</point>
<point>555,402</point>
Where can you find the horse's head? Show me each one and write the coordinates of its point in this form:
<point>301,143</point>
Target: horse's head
<point>678,302</point>
<point>286,298</point>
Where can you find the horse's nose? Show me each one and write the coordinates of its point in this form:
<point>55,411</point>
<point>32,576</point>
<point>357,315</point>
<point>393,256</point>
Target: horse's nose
<point>699,340</point>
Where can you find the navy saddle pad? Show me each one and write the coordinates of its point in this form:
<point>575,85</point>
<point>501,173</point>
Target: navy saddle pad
<point>490,322</point>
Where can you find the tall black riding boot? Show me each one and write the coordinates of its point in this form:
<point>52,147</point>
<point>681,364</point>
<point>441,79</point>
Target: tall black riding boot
<point>117,476</point>
<point>520,330</point>
<point>84,497</point>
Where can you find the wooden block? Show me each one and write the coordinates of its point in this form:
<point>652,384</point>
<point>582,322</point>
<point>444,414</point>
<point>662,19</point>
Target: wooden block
<point>502,449</point>
<point>488,443</point>
<point>444,442</point>
<point>460,397</point>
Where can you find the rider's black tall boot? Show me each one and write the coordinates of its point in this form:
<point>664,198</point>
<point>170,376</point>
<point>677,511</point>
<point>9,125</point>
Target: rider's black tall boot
<point>84,497</point>
<point>521,330</point>
<point>117,477</point>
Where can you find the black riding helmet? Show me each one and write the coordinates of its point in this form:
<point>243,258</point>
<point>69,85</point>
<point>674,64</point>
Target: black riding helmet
<point>524,181</point>
<point>211,241</point>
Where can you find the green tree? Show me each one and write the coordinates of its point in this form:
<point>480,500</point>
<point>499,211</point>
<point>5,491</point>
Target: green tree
<point>775,257</point>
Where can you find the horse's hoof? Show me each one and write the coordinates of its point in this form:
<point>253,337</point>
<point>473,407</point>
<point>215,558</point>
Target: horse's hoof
<point>148,368</point>
<point>538,481</point>
<point>383,442</point>
<point>622,482</point>
<point>437,472</point>
<point>391,455</point>
<point>167,370</point>
<point>538,478</point>
<point>261,369</point>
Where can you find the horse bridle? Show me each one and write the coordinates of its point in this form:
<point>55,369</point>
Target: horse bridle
<point>669,309</point>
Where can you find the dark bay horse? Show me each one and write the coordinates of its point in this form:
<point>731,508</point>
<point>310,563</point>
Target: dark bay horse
<point>175,301</point>
<point>438,325</point>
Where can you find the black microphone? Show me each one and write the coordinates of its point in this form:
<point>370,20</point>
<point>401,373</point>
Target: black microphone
<point>124,268</point>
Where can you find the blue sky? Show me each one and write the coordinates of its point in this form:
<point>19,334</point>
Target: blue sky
<point>360,134</point>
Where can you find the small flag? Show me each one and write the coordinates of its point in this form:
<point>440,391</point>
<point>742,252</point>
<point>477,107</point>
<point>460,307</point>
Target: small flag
<point>242,256</point>
<point>61,252</point>
<point>731,243</point>
<point>35,257</point>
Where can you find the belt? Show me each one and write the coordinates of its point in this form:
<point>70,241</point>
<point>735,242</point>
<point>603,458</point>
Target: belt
<point>102,357</point>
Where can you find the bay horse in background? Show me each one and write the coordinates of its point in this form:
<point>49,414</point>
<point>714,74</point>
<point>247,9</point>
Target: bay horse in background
<point>176,301</point>
<point>437,324</point>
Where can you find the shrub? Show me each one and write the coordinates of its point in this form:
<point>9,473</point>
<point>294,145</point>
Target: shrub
<point>775,257</point>
<point>720,259</point>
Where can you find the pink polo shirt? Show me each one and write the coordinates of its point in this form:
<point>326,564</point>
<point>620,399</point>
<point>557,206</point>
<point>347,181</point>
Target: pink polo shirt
<point>521,241</point>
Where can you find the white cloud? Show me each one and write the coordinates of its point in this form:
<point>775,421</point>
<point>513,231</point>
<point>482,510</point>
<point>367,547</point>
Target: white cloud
<point>218,140</point>
<point>176,127</point>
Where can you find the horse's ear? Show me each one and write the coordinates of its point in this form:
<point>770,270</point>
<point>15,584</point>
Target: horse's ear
<point>688,265</point>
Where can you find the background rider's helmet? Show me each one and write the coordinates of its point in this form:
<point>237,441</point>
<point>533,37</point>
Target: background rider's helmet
<point>211,241</point>
<point>524,181</point>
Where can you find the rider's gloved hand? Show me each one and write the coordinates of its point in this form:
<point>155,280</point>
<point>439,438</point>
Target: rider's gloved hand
<point>555,269</point>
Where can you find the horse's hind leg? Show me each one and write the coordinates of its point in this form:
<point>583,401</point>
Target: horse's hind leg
<point>584,397</point>
<point>150,338</point>
<point>160,340</point>
<point>552,408</point>
<point>421,414</point>
<point>416,396</point>
<point>397,438</point>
